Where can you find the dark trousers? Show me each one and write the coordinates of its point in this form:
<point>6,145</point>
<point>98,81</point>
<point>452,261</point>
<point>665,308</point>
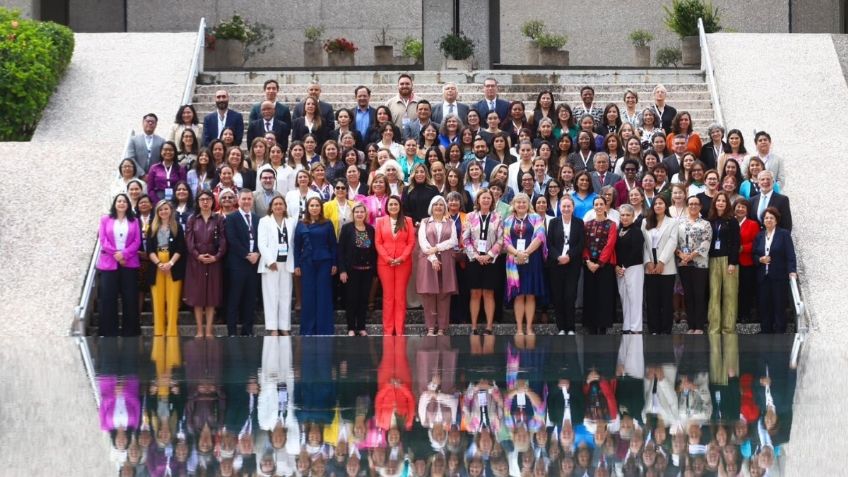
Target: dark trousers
<point>357,288</point>
<point>659,298</point>
<point>563,283</point>
<point>316,312</point>
<point>695,282</point>
<point>123,282</point>
<point>598,303</point>
<point>747,291</point>
<point>499,267</point>
<point>460,303</point>
<point>772,304</point>
<point>241,300</point>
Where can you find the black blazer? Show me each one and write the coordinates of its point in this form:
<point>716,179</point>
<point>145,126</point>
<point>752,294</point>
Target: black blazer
<point>668,114</point>
<point>501,107</point>
<point>778,201</point>
<point>556,241</point>
<point>299,130</point>
<point>782,253</point>
<point>708,156</point>
<point>351,256</point>
<point>176,244</point>
<point>327,113</point>
<point>373,134</point>
<point>280,129</point>
<point>357,138</point>
<point>238,240</point>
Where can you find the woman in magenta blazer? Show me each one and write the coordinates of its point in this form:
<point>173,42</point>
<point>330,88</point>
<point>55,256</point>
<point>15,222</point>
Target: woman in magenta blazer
<point>120,239</point>
<point>394,237</point>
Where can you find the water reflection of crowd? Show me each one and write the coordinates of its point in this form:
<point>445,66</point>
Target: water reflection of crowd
<point>447,406</point>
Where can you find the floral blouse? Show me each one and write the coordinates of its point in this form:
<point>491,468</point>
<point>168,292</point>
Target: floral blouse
<point>695,236</point>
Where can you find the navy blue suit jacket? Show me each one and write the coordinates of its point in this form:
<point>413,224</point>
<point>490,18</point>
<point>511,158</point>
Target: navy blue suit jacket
<point>233,120</point>
<point>501,106</point>
<point>238,241</point>
<point>782,253</point>
<point>280,129</point>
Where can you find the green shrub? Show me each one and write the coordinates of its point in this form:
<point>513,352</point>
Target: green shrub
<point>667,57</point>
<point>549,40</point>
<point>682,17</point>
<point>532,29</point>
<point>641,38</point>
<point>413,48</point>
<point>33,56</point>
<point>458,47</point>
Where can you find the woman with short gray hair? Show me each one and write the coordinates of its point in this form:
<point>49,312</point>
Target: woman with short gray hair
<point>711,151</point>
<point>629,271</point>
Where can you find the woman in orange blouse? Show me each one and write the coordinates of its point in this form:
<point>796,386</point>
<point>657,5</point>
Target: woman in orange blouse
<point>394,237</point>
<point>682,124</point>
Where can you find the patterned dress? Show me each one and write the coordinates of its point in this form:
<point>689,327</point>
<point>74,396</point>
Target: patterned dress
<point>529,278</point>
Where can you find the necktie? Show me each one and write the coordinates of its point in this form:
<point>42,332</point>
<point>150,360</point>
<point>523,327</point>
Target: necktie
<point>247,219</point>
<point>267,126</point>
<point>450,109</point>
<point>762,208</point>
<point>491,105</point>
<point>602,178</point>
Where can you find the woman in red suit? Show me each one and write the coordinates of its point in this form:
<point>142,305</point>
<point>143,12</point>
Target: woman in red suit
<point>394,237</point>
<point>748,230</point>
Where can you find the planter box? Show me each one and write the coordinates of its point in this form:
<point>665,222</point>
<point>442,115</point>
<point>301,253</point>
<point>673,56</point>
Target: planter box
<point>691,51</point>
<point>313,55</point>
<point>643,56</point>
<point>338,59</point>
<point>460,65</point>
<point>531,53</point>
<point>227,54</point>
<point>553,57</point>
<point>384,54</point>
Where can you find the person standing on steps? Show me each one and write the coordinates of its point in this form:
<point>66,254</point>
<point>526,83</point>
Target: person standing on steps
<point>242,260</point>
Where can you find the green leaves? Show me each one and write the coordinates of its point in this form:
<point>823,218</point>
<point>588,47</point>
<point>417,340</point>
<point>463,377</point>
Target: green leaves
<point>682,17</point>
<point>33,57</point>
<point>458,47</point>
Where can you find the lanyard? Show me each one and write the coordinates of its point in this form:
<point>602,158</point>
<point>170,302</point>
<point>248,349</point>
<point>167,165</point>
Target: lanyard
<point>484,226</point>
<point>283,233</point>
<point>343,213</point>
<point>520,227</point>
<point>585,159</point>
<point>168,174</point>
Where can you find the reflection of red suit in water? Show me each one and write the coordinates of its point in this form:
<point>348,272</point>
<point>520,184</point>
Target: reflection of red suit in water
<point>394,379</point>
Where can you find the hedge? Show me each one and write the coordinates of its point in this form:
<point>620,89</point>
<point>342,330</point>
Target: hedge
<point>33,57</point>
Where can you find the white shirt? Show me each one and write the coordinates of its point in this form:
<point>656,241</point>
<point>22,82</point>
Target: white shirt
<point>566,231</point>
<point>446,109</point>
<point>120,228</point>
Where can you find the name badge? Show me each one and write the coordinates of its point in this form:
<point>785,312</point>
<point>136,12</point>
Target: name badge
<point>521,399</point>
<point>521,244</point>
<point>250,247</point>
<point>406,120</point>
<point>718,244</point>
<point>169,193</point>
<point>482,246</point>
<point>282,249</point>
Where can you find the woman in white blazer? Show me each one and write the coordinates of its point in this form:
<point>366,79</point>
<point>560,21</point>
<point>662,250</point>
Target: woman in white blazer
<point>660,271</point>
<point>276,264</point>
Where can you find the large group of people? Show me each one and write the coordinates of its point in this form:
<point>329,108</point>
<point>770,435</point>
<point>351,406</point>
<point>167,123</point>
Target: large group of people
<point>463,209</point>
<point>447,406</point>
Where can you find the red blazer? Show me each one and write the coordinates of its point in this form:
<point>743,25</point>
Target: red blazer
<point>748,233</point>
<point>390,247</point>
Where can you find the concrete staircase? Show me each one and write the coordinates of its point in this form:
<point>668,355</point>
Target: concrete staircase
<point>687,89</point>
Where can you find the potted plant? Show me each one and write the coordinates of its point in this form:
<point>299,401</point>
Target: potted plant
<point>340,52</point>
<point>384,50</point>
<point>531,30</point>
<point>232,42</point>
<point>550,49</point>
<point>669,57</point>
<point>413,50</point>
<point>312,56</point>
<point>641,40</point>
<point>458,50</point>
<point>682,18</point>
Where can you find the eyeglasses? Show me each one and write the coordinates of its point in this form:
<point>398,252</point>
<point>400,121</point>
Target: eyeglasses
<point>340,187</point>
<point>207,199</point>
<point>629,169</point>
<point>553,186</point>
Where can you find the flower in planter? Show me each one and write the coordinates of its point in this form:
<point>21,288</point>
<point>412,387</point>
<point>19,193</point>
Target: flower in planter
<point>339,45</point>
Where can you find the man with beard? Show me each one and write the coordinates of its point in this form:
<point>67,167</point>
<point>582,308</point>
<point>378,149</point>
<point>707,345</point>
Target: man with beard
<point>325,109</point>
<point>223,117</point>
<point>481,157</point>
<point>403,105</point>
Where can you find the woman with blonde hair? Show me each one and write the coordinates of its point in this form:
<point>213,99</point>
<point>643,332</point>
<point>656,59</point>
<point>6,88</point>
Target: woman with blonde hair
<point>166,248</point>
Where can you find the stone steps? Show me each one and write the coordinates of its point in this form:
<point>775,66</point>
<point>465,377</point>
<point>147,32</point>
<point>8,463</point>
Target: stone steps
<point>504,77</point>
<point>643,89</point>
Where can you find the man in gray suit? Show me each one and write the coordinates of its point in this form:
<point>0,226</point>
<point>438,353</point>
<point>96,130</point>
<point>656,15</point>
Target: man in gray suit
<point>265,192</point>
<point>413,128</point>
<point>144,148</point>
<point>450,106</point>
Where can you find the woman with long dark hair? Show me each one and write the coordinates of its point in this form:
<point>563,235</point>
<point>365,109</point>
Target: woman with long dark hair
<point>120,241</point>
<point>660,270</point>
<point>206,244</point>
<point>599,259</point>
<point>315,250</point>
<point>395,238</point>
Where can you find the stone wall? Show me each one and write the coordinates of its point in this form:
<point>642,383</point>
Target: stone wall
<point>596,35</point>
<point>359,22</point>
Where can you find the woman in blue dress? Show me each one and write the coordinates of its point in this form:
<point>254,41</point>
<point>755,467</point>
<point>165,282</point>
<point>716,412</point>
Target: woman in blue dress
<point>524,241</point>
<point>315,262</point>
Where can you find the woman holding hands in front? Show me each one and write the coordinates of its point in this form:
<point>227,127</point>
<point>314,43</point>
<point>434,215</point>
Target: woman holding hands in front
<point>276,239</point>
<point>524,241</point>
<point>482,240</point>
<point>774,255</point>
<point>395,238</point>
<point>435,275</point>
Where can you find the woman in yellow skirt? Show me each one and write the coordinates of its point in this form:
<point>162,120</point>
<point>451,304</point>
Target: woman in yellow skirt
<point>167,248</point>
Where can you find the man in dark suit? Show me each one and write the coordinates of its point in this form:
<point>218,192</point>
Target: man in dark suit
<point>327,113</point>
<point>602,176</point>
<point>242,257</point>
<point>281,111</point>
<point>491,101</point>
<point>674,162</point>
<point>144,148</point>
<point>269,123</point>
<point>450,106</point>
<point>565,249</point>
<point>364,116</point>
<point>413,128</point>
<point>481,157</point>
<point>769,198</point>
<point>223,117</point>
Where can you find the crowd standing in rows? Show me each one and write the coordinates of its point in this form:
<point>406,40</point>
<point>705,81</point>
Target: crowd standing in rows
<point>463,209</point>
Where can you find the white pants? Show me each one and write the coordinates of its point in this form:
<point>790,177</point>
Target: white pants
<point>276,298</point>
<point>631,356</point>
<point>631,290</point>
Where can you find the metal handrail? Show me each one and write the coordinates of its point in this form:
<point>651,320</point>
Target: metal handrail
<point>88,363</point>
<point>800,309</point>
<point>707,66</point>
<point>196,62</point>
<point>83,309</point>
